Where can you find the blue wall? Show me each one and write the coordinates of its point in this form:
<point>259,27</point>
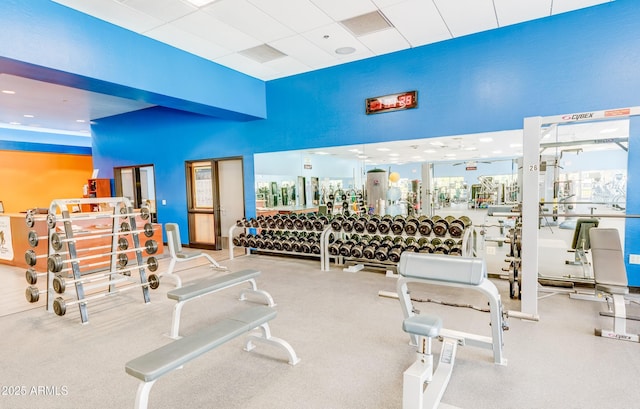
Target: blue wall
<point>579,61</point>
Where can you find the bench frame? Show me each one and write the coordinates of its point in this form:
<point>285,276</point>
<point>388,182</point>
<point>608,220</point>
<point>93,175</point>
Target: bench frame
<point>144,388</point>
<point>177,309</point>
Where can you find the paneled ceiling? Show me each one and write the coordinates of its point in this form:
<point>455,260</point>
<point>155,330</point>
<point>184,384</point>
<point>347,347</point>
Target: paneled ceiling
<point>270,39</point>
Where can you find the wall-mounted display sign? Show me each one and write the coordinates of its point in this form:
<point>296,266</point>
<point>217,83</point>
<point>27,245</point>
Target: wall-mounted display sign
<point>393,102</point>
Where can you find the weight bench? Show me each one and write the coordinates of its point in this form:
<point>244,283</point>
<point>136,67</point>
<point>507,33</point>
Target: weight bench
<point>442,270</point>
<point>610,276</point>
<point>581,243</point>
<point>155,364</point>
<point>180,254</point>
<point>209,286</point>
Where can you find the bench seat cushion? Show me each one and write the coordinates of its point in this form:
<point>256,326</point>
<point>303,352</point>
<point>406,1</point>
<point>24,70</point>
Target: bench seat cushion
<point>158,362</point>
<point>210,284</point>
<point>425,325</point>
<point>441,267</point>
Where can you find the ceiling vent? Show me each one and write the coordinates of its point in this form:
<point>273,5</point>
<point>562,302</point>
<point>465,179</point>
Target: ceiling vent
<point>262,53</point>
<point>366,23</point>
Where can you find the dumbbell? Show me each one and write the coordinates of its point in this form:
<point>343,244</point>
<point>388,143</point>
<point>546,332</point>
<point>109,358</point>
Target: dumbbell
<point>384,226</point>
<point>31,275</point>
<point>440,226</point>
<point>425,225</point>
<point>60,304</point>
<point>372,224</point>
<point>31,257</point>
<point>34,239</point>
<point>334,248</point>
<point>320,223</point>
<point>396,251</point>
<point>425,246</point>
<point>457,226</point>
<point>347,224</point>
<point>360,225</point>
<point>57,240</point>
<point>397,226</point>
<point>52,219</point>
<point>336,222</point>
<point>298,223</point>
<point>288,222</point>
<point>32,294</point>
<point>382,251</point>
<point>60,282</point>
<point>55,262</point>
<point>357,249</point>
<point>411,226</point>
<point>411,244</point>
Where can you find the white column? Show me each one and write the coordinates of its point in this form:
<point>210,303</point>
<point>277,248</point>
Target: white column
<point>530,214</point>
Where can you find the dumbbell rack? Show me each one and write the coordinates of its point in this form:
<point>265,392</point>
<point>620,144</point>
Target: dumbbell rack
<point>59,214</point>
<point>468,247</point>
<point>232,231</point>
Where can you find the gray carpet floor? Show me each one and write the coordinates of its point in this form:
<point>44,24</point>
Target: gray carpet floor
<point>352,348</point>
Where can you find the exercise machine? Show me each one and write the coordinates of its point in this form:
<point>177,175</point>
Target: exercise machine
<point>441,270</point>
<point>611,281</point>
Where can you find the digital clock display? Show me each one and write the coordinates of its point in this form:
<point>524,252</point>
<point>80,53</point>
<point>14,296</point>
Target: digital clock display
<point>394,102</point>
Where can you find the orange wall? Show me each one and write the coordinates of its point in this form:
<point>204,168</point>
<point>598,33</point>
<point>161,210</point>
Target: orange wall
<point>34,179</point>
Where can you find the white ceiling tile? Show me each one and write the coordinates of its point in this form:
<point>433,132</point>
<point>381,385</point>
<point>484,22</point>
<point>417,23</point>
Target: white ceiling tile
<point>288,66</point>
<point>165,10</point>
<point>331,37</point>
<point>512,12</point>
<point>385,41</point>
<point>419,22</point>
<point>178,38</point>
<point>386,3</point>
<point>561,6</point>
<point>341,9</point>
<point>304,51</point>
<point>249,19</point>
<point>298,15</point>
<point>114,13</point>
<point>467,16</point>
<point>206,26</point>
<point>246,65</point>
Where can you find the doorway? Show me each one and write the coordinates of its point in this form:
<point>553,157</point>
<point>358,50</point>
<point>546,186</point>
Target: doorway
<point>215,200</point>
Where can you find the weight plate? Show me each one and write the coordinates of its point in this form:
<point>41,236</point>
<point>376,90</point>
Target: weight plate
<point>31,276</point>
<point>148,230</point>
<point>59,284</point>
<point>59,306</point>
<point>30,257</point>
<point>54,263</point>
<point>32,294</point>
<point>151,246</point>
<point>152,264</point>
<point>51,221</point>
<point>123,260</point>
<point>30,220</point>
<point>56,241</point>
<point>124,226</point>
<point>145,213</point>
<point>154,281</point>
<point>32,237</point>
<point>123,244</point>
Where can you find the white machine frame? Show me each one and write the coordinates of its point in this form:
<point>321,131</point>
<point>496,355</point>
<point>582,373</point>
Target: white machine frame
<point>530,200</point>
<point>443,270</point>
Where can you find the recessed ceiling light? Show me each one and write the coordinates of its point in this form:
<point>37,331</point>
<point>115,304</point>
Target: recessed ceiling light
<point>383,149</point>
<point>450,155</point>
<point>486,139</point>
<point>436,143</point>
<point>608,130</point>
<point>394,154</point>
<point>28,116</point>
<point>345,50</point>
<point>429,151</point>
<point>470,148</point>
<point>355,150</point>
<point>496,152</point>
<point>80,121</point>
<point>8,91</point>
<point>321,153</point>
<point>416,157</point>
<point>14,123</point>
<point>515,145</point>
<point>362,156</point>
